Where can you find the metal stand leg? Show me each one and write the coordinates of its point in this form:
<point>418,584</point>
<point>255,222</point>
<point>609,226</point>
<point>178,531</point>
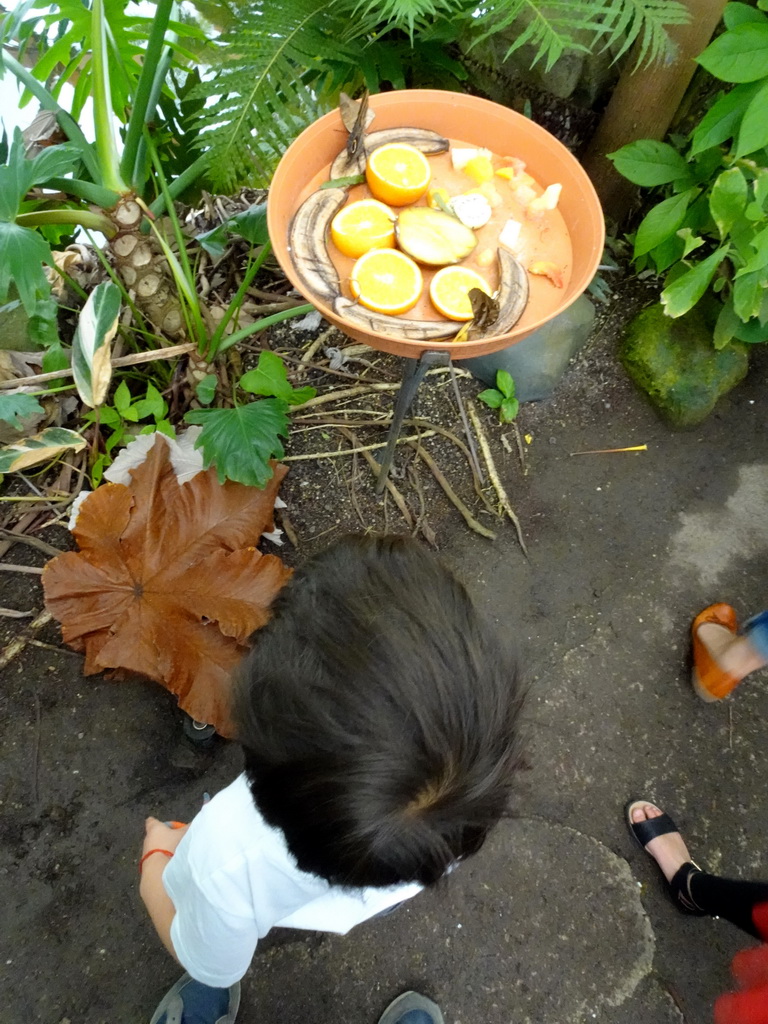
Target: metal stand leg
<point>413,374</point>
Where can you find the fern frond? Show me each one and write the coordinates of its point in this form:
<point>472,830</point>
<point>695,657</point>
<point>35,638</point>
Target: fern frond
<point>369,16</point>
<point>646,21</point>
<point>257,100</point>
<point>552,26</point>
<point>548,25</point>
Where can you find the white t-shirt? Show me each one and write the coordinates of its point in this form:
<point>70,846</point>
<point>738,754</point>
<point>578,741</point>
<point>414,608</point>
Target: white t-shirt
<point>232,878</point>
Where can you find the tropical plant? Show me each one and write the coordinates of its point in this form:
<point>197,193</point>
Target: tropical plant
<point>709,235</point>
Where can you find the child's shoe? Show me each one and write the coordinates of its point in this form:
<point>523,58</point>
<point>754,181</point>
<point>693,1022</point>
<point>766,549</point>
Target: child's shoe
<point>191,1002</point>
<point>411,1008</point>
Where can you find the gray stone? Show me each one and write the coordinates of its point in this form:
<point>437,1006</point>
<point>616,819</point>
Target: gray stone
<point>538,362</point>
<point>675,363</point>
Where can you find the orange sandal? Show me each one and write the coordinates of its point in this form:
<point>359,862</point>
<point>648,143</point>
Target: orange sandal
<point>710,682</point>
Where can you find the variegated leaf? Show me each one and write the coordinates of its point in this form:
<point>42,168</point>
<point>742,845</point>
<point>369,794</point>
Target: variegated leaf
<point>39,448</point>
<point>91,349</point>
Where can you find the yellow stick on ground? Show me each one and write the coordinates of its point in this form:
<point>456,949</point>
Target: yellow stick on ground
<point>607,451</point>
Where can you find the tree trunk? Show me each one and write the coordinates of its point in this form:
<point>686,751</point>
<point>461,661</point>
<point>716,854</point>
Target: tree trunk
<point>644,104</point>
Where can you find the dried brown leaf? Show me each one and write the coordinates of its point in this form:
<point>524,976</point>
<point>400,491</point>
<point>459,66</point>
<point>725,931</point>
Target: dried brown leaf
<point>168,582</point>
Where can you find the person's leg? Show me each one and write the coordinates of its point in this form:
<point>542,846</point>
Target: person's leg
<point>693,890</point>
<point>722,657</point>
<point>412,1008</point>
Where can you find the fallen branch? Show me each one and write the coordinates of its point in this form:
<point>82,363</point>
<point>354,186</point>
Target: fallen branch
<point>316,344</point>
<point>16,646</point>
<point>133,360</point>
<point>470,520</point>
<point>351,451</point>
<point>493,474</point>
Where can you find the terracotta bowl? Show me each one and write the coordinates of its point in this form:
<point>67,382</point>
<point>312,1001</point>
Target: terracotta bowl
<point>474,121</point>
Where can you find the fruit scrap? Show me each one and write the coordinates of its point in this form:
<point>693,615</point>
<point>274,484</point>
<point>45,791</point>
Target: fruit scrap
<point>489,190</point>
<point>438,199</point>
<point>461,157</point>
<point>514,168</point>
<point>551,271</point>
<point>433,237</point>
<point>524,194</point>
<point>363,225</point>
<point>479,169</point>
<point>472,209</point>
<point>485,258</point>
<point>386,281</point>
<point>547,201</point>
<point>450,288</point>
<point>510,234</point>
<point>397,174</point>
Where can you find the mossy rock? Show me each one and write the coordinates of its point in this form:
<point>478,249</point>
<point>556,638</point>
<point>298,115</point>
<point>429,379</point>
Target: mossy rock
<point>678,367</point>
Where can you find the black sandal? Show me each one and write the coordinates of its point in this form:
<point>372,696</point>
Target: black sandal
<point>643,832</point>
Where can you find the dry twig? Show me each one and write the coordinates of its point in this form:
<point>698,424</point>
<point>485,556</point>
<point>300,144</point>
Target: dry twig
<point>32,570</point>
<point>470,520</point>
<point>493,474</point>
<point>133,360</point>
<point>32,542</point>
<point>351,451</point>
<point>376,469</point>
<point>9,652</point>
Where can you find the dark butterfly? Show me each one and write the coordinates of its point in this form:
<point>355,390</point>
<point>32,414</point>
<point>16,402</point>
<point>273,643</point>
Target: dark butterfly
<point>355,117</point>
<point>485,309</point>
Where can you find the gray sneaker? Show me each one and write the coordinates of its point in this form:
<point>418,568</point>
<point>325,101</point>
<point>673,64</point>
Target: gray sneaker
<point>191,1002</point>
<point>411,1008</point>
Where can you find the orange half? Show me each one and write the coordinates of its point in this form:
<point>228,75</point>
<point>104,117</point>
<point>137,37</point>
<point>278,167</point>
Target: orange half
<point>386,281</point>
<point>361,226</point>
<point>397,174</point>
<point>450,290</point>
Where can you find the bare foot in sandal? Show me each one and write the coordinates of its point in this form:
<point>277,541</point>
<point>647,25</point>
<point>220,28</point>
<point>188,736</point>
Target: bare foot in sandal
<point>669,851</point>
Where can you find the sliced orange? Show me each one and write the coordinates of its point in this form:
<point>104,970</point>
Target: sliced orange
<point>386,281</point>
<point>450,289</point>
<point>366,224</point>
<point>397,174</point>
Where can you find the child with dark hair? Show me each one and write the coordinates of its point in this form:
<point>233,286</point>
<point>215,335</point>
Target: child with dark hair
<point>378,712</point>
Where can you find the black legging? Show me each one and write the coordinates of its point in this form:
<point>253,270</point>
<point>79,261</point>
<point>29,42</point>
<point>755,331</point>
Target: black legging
<point>728,898</point>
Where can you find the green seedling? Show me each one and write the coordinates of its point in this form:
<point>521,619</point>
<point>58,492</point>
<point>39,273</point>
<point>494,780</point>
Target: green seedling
<point>502,397</point>
<point>122,420</point>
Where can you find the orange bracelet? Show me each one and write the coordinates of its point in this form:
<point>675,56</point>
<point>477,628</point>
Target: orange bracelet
<point>149,854</point>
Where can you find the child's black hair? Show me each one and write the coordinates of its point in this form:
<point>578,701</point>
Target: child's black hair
<point>378,711</point>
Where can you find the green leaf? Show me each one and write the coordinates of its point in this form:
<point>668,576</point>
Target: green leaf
<point>55,358</point>
<point>738,55</point>
<point>214,241</point>
<point>122,398</point>
<point>760,259</point>
<point>22,255</point>
<point>649,163</point>
<point>728,199</point>
<point>251,224</point>
<point>690,241</point>
<point>722,119</point>
<point>662,221</point>
<point>491,397</point>
<point>683,294</point>
<point>761,186</point>
<point>753,133</point>
<point>270,378</point>
<point>153,405</point>
<point>737,14</point>
<point>41,447</point>
<point>19,174</point>
<point>748,294</point>
<point>505,383</point>
<point>206,389</point>
<point>91,350</point>
<point>726,326</point>
<point>509,409</point>
<point>668,252</point>
<point>15,408</point>
<point>752,332</point>
<point>240,442</point>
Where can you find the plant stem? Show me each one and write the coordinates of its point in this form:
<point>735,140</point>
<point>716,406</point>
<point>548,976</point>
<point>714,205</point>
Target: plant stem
<point>85,218</point>
<point>237,300</point>
<point>96,194</point>
<point>184,180</point>
<point>149,71</point>
<point>261,325</point>
<point>106,144</point>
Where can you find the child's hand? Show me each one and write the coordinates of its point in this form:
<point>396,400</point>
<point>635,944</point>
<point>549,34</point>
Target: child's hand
<point>158,836</point>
